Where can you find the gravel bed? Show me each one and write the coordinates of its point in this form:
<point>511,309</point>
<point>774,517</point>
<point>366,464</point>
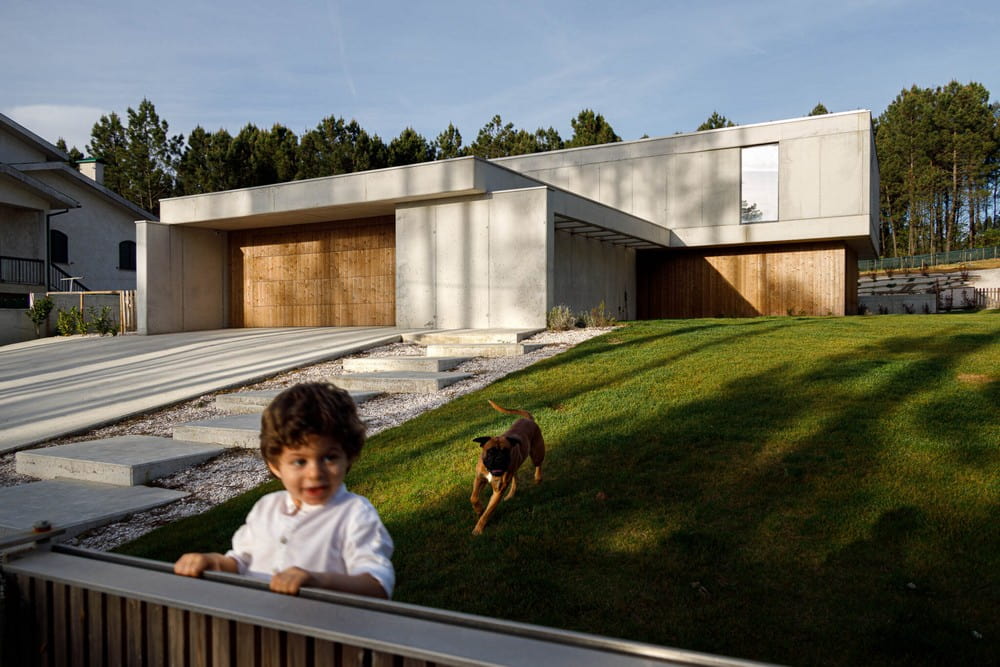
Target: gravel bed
<point>238,470</point>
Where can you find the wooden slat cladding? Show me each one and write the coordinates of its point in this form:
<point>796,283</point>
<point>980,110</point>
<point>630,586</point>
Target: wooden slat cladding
<point>325,274</point>
<point>60,625</point>
<point>799,279</point>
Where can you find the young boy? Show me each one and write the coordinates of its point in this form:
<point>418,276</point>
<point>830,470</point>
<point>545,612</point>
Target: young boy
<point>314,533</point>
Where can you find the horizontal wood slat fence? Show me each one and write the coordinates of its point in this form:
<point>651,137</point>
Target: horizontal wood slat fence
<point>70,606</point>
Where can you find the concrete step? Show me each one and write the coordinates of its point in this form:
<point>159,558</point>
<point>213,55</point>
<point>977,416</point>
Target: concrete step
<point>399,382</point>
<point>127,460</point>
<point>377,364</point>
<point>254,402</point>
<point>482,349</point>
<point>76,506</point>
<point>232,431</point>
<point>470,336</point>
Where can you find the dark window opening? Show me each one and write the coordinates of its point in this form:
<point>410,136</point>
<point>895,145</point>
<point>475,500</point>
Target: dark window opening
<point>126,255</point>
<point>58,247</point>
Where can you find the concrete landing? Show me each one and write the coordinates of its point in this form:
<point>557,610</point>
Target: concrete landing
<point>232,431</point>
<point>427,364</point>
<point>76,506</point>
<point>254,402</point>
<point>470,336</point>
<point>399,382</point>
<point>127,460</point>
<point>481,349</point>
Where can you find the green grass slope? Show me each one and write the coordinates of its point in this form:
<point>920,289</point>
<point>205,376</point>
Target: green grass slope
<point>810,491</point>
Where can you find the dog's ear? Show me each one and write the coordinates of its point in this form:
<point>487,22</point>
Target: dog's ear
<point>482,440</point>
<point>514,440</point>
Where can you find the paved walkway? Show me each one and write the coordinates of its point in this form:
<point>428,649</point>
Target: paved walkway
<point>56,386</point>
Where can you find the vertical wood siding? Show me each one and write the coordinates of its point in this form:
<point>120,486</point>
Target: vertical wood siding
<point>68,626</point>
<point>799,279</point>
<point>325,274</point>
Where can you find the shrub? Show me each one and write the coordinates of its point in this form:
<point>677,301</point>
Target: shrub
<point>103,322</point>
<point>560,318</point>
<point>69,322</point>
<point>39,313</point>
<point>598,316</point>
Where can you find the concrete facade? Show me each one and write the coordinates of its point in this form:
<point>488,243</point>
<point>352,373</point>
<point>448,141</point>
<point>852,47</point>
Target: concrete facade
<point>40,191</point>
<point>499,243</point>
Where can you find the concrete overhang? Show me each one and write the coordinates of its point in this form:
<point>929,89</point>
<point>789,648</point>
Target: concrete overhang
<point>340,197</point>
<point>852,230</point>
<point>54,198</point>
<point>590,219</point>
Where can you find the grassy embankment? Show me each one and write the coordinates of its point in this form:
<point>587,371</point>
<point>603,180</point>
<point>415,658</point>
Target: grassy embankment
<point>801,490</point>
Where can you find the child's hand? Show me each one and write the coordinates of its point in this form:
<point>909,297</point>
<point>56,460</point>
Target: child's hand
<point>290,581</point>
<point>192,565</point>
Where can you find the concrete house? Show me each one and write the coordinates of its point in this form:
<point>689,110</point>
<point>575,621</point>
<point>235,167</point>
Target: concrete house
<point>751,220</point>
<point>57,223</point>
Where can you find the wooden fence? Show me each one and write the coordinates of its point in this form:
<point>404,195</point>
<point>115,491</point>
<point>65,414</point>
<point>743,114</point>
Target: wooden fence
<point>69,606</point>
<point>122,300</point>
<point>988,297</point>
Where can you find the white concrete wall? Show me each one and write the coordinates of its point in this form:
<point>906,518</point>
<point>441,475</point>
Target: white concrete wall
<point>825,179</point>
<point>15,325</point>
<point>474,264</point>
<point>588,272</point>
<point>182,278</point>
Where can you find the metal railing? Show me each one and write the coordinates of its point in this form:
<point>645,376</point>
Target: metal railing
<point>75,606</point>
<point>930,259</point>
<point>60,281</point>
<point>22,270</point>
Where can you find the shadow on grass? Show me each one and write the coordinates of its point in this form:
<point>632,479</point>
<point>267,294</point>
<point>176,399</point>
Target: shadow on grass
<point>806,513</point>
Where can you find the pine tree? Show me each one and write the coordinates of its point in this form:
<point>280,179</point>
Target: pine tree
<point>590,129</point>
<point>449,143</point>
<point>410,147</point>
<point>715,121</point>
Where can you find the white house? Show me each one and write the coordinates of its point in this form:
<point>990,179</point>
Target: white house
<point>742,221</point>
<point>57,223</point>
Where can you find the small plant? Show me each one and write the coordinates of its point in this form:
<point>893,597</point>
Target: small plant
<point>560,318</point>
<point>889,271</point>
<point>39,313</point>
<point>963,271</point>
<point>103,322</point>
<point>69,322</point>
<point>598,316</point>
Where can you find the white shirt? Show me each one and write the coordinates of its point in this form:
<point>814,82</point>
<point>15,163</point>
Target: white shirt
<point>345,535</point>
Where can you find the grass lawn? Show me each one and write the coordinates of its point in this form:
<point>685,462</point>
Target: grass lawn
<point>809,491</point>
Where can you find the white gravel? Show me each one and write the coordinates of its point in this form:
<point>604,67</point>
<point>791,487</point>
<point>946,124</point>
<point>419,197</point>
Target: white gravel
<point>236,471</point>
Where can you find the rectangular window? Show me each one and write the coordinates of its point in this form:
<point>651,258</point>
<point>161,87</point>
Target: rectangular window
<point>759,183</point>
<point>13,300</point>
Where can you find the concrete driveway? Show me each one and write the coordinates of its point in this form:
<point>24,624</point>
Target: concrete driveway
<point>57,386</point>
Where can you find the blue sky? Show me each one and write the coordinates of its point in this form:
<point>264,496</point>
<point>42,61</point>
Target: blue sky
<point>650,67</point>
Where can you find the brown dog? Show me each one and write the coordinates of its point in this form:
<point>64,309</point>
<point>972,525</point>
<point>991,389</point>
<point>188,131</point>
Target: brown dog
<point>500,458</point>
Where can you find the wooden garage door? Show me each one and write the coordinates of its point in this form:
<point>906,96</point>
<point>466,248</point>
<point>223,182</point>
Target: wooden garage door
<point>325,274</point>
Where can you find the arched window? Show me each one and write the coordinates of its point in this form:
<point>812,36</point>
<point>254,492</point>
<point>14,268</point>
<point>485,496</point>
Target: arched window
<point>58,247</point>
<point>126,255</point>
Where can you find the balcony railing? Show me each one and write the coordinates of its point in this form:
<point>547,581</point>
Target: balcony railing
<point>22,270</point>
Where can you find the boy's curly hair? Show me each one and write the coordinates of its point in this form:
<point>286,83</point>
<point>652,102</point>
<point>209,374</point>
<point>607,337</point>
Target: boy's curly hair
<point>311,408</point>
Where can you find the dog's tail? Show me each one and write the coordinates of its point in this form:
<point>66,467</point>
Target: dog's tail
<point>523,413</point>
